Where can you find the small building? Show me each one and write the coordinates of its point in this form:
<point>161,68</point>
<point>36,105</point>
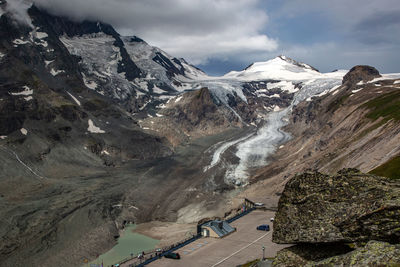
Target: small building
<point>216,229</point>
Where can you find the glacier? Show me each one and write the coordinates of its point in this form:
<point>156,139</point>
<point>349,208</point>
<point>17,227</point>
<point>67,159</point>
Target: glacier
<point>254,149</point>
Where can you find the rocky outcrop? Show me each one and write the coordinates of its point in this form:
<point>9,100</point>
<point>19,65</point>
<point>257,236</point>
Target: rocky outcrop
<point>374,253</point>
<point>360,73</point>
<point>192,115</point>
<point>347,207</point>
<point>343,219</point>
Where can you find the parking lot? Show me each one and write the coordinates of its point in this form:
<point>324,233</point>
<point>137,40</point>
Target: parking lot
<point>239,247</point>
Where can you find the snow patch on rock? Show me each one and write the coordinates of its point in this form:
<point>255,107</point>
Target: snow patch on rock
<point>178,99</point>
<point>94,129</point>
<point>284,86</point>
<point>74,98</point>
<point>274,95</point>
<point>105,152</point>
<point>277,108</point>
<point>41,35</point>
<point>48,62</point>
<point>56,72</point>
<point>18,42</point>
<point>27,91</point>
<point>157,90</point>
<point>389,76</point>
<point>357,90</point>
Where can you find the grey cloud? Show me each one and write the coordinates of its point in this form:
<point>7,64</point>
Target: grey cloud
<point>382,27</point>
<point>359,31</point>
<point>347,16</point>
<point>18,9</point>
<point>194,29</point>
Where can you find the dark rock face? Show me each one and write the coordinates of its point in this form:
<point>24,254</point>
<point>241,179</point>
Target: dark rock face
<point>347,207</point>
<point>360,73</point>
<point>200,107</point>
<point>199,111</point>
<point>168,65</point>
<point>250,88</point>
<point>57,144</point>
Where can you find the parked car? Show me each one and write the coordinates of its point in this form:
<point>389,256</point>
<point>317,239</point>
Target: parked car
<point>172,255</point>
<point>263,227</point>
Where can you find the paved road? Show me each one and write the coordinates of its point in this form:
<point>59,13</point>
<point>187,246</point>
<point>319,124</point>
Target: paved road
<point>240,247</point>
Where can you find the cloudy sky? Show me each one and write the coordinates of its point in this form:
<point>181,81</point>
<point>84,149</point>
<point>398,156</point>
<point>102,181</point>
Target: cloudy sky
<point>223,35</point>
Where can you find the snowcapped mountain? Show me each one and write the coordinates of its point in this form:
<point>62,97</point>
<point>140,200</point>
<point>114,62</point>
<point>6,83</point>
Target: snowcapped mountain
<point>281,68</point>
<point>245,97</point>
<point>141,77</point>
<point>161,69</point>
<point>102,62</point>
<point>126,69</point>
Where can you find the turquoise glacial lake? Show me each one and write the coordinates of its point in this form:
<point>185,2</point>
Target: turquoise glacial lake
<point>129,242</point>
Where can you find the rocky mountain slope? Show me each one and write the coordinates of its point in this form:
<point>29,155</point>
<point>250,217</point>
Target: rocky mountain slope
<point>59,143</point>
<point>76,161</point>
<point>348,219</point>
<point>353,126</point>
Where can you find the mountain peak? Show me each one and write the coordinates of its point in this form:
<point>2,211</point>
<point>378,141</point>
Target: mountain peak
<point>297,63</point>
<point>135,39</point>
<point>360,73</point>
<point>278,68</point>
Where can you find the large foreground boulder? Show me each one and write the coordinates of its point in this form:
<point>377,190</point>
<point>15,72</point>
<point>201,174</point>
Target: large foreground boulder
<point>347,207</point>
<point>374,253</point>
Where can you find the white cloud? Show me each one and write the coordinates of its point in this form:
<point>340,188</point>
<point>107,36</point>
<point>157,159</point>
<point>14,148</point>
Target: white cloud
<point>194,29</point>
<point>198,49</point>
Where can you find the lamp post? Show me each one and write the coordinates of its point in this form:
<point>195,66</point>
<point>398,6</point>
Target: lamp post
<point>263,249</point>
